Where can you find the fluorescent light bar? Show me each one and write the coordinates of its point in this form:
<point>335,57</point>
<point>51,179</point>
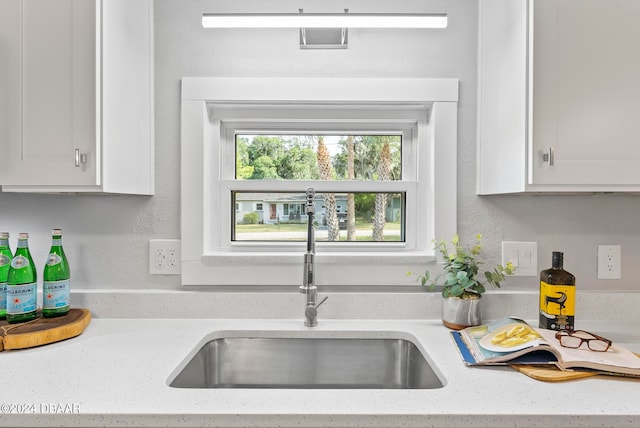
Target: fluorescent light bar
<point>323,20</point>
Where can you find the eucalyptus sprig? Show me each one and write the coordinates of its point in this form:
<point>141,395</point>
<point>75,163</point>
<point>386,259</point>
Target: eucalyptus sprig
<point>461,267</point>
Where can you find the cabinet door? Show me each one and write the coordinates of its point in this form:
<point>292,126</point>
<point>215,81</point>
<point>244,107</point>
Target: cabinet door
<point>502,97</point>
<point>51,93</point>
<point>586,92</point>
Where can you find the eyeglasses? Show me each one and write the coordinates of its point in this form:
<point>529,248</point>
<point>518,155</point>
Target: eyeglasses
<point>575,339</point>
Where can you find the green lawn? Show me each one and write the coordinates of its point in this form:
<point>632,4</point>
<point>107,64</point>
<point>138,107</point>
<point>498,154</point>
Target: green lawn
<point>362,226</point>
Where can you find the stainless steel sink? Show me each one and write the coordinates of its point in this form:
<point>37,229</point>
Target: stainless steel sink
<point>307,362</point>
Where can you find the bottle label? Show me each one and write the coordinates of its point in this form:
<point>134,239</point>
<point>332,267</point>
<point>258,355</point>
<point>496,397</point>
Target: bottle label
<point>56,294</point>
<point>3,296</point>
<point>18,262</point>
<point>4,260</point>
<point>557,306</point>
<point>53,259</point>
<point>21,299</point>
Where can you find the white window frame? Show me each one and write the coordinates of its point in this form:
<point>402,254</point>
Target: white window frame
<point>214,108</point>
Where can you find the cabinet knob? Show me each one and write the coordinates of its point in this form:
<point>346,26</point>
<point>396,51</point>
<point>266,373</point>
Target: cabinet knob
<point>80,158</point>
<point>549,156</point>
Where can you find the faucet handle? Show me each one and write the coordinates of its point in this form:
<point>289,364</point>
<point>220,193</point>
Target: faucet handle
<point>311,314</point>
<point>321,302</point>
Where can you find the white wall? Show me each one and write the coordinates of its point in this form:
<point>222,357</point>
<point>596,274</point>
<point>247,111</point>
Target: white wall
<point>106,237</point>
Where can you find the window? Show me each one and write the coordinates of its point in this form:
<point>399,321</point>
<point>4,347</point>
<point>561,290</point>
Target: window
<point>258,144</point>
<point>339,217</point>
<point>362,216</point>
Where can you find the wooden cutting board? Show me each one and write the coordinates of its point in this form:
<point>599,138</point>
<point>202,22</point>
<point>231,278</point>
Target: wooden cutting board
<point>43,331</point>
<point>550,373</point>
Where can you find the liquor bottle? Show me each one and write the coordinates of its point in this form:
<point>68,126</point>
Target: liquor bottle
<point>5,260</point>
<point>557,296</point>
<point>56,279</point>
<point>22,284</point>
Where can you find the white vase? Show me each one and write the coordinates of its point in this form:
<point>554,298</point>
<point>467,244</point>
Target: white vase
<point>458,313</point>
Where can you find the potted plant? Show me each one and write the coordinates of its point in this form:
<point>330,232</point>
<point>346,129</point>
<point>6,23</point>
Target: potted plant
<point>462,286</point>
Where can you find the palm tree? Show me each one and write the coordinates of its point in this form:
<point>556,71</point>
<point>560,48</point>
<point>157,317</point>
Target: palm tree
<point>363,161</point>
<point>351,204</point>
<point>331,213</point>
<point>384,173</point>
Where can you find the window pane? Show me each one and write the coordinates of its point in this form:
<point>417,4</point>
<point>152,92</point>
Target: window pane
<point>377,217</point>
<point>318,157</point>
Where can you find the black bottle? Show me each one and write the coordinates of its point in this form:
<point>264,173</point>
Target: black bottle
<point>557,296</point>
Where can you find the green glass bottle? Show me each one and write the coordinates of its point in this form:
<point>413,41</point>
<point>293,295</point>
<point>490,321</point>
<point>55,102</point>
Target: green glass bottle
<point>56,279</point>
<point>5,261</point>
<point>22,284</point>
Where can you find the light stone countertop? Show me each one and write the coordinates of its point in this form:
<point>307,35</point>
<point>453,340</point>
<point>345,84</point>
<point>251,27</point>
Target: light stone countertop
<point>116,372</point>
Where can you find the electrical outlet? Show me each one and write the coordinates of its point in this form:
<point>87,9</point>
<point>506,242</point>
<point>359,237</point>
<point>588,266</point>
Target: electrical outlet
<point>158,257</point>
<point>164,257</point>
<point>173,258</point>
<point>609,262</point>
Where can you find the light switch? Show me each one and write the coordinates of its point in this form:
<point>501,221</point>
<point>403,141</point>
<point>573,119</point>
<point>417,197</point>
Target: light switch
<point>514,258</point>
<point>524,258</point>
<point>523,255</point>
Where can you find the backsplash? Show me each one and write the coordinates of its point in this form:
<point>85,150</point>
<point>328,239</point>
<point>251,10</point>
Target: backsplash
<point>290,305</point>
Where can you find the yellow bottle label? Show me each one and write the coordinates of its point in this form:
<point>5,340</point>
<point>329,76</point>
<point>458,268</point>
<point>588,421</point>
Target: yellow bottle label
<point>557,306</point>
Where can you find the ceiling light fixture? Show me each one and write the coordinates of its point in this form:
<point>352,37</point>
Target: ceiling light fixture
<point>323,20</point>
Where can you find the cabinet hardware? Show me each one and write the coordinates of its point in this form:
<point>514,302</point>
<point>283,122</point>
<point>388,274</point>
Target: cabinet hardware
<point>549,156</point>
<point>80,158</point>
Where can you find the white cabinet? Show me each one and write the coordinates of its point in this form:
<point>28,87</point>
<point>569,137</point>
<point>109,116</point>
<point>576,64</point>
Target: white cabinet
<point>76,96</point>
<point>559,96</point>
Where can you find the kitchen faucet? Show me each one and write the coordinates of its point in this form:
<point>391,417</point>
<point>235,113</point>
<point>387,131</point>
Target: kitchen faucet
<point>308,286</point>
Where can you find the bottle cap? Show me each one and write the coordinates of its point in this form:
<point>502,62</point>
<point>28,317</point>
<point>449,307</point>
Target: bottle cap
<point>557,257</point>
<point>4,235</point>
<point>23,235</point>
<point>56,232</point>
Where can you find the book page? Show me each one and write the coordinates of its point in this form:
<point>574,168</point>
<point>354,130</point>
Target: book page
<point>616,359</point>
<point>504,340</point>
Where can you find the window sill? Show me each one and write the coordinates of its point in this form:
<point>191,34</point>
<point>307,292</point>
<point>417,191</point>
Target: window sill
<point>335,258</point>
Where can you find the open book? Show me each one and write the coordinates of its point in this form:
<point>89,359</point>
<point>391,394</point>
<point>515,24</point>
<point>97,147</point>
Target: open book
<point>513,341</point>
